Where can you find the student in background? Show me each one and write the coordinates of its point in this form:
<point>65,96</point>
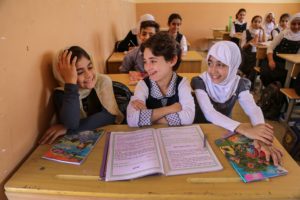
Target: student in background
<point>132,40</point>
<point>163,97</point>
<point>133,61</point>
<point>251,37</point>
<point>174,22</point>
<point>238,26</point>
<point>269,24</point>
<point>220,87</point>
<point>287,41</point>
<point>283,24</point>
<point>84,100</point>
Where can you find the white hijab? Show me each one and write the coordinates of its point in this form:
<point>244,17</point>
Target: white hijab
<point>229,54</point>
<point>288,33</point>
<point>145,17</point>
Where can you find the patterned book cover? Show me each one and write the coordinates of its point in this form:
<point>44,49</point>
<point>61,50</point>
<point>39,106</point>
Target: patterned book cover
<point>73,148</point>
<point>247,161</point>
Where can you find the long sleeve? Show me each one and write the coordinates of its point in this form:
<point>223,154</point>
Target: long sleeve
<point>67,106</point>
<point>244,40</point>
<point>183,44</point>
<point>129,40</point>
<point>232,31</point>
<point>250,108</point>
<point>275,42</point>
<point>187,114</point>
<point>211,114</point>
<point>141,93</point>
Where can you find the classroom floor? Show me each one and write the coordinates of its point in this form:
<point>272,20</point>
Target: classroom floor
<point>238,113</point>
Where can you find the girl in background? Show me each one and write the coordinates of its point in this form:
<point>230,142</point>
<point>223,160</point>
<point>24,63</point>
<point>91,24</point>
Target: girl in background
<point>163,97</point>
<point>220,87</point>
<point>287,41</point>
<point>84,100</point>
<point>174,22</point>
<point>238,26</point>
<point>254,35</point>
<point>283,24</point>
<point>269,24</point>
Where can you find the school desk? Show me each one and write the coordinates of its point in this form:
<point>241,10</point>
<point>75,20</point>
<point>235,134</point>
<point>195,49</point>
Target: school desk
<point>124,78</point>
<point>40,179</point>
<point>191,62</point>
<point>292,65</point>
<point>291,94</point>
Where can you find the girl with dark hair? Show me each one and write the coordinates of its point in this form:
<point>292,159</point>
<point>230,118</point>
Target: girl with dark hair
<point>84,100</point>
<point>174,22</point>
<point>163,97</point>
<point>238,26</point>
<point>283,24</point>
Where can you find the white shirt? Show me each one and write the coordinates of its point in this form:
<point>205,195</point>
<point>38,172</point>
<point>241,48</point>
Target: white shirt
<point>246,101</point>
<point>260,38</point>
<point>183,44</point>
<point>186,115</point>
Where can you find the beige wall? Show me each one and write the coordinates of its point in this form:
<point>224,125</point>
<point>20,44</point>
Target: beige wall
<point>199,18</point>
<point>31,31</point>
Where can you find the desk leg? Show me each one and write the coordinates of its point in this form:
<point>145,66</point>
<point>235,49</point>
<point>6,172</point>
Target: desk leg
<point>289,111</point>
<point>289,67</point>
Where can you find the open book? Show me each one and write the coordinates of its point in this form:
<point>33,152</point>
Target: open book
<point>73,148</point>
<point>168,151</point>
<point>247,161</point>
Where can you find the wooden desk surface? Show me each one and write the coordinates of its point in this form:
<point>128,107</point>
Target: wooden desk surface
<point>290,93</point>
<point>124,78</point>
<point>38,179</point>
<point>294,58</point>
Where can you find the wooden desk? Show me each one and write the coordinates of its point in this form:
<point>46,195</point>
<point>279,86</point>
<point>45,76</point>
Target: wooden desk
<point>124,78</point>
<point>292,65</point>
<point>191,62</point>
<point>292,96</point>
<point>37,179</point>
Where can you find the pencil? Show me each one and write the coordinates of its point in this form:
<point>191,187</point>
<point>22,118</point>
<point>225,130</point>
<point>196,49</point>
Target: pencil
<point>132,43</point>
<point>217,180</point>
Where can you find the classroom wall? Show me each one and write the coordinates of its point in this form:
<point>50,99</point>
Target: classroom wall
<point>31,32</point>
<point>199,18</point>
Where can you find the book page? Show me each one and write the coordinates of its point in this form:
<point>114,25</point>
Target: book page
<point>183,151</point>
<point>133,154</point>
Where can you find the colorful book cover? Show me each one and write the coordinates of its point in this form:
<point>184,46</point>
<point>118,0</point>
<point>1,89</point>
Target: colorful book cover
<point>247,161</point>
<point>73,148</point>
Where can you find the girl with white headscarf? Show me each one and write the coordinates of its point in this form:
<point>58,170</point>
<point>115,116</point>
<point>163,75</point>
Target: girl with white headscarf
<point>287,41</point>
<point>220,87</point>
<point>84,100</point>
<point>131,40</point>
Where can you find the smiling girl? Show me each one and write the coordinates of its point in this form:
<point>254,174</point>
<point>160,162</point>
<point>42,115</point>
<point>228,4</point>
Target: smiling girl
<point>220,87</point>
<point>85,100</point>
<point>174,23</point>
<point>163,97</point>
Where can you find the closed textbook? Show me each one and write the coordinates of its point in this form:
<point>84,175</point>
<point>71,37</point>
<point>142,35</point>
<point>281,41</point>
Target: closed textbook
<point>73,148</point>
<point>247,161</point>
<point>168,151</point>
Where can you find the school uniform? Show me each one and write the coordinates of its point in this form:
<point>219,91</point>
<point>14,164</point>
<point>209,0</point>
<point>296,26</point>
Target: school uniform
<point>275,32</point>
<point>133,61</point>
<point>216,101</point>
<point>131,40</point>
<point>249,53</point>
<point>181,39</point>
<point>148,91</point>
<point>285,42</point>
<point>237,27</point>
<point>268,27</point>
<point>81,109</point>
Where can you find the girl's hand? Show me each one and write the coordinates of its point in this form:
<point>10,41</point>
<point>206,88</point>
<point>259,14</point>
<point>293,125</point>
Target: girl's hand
<point>261,132</point>
<point>272,64</point>
<point>138,104</point>
<point>269,151</point>
<point>52,133</point>
<point>66,68</point>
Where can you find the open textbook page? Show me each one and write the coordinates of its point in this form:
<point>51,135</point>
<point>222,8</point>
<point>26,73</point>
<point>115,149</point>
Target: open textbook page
<point>169,151</point>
